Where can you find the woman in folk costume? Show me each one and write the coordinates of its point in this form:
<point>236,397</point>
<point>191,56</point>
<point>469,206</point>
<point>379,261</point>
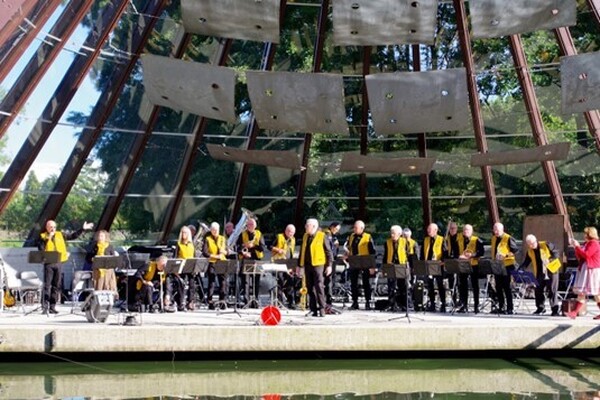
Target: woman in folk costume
<point>587,282</point>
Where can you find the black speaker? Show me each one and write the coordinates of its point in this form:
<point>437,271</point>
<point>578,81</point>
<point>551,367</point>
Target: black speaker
<point>97,306</point>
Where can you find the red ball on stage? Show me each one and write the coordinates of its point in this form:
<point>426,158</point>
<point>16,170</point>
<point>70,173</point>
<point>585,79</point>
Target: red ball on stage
<point>270,315</point>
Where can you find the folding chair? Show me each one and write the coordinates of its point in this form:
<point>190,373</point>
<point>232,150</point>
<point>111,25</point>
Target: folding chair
<point>565,282</point>
<point>523,282</point>
<point>30,289</point>
<point>82,283</point>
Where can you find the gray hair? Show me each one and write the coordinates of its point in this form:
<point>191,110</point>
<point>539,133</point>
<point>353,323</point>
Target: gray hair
<point>396,229</point>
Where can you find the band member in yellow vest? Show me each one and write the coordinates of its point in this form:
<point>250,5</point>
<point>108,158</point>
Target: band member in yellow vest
<point>334,243</point>
<point>104,278</point>
<point>184,249</point>
<point>250,246</point>
<point>283,248</point>
<point>539,255</point>
<point>470,248</point>
<point>394,252</point>
<point>412,247</point>
<point>215,249</point>
<point>504,248</point>
<point>452,252</point>
<point>52,240</point>
<point>434,248</point>
<point>148,278</point>
<point>316,259</point>
<point>360,243</point>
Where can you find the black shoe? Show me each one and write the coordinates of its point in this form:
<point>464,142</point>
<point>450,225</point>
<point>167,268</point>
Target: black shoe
<point>539,311</point>
<point>462,310</point>
<point>431,308</point>
<point>52,310</point>
<point>443,309</point>
<point>476,310</point>
<point>510,312</point>
<point>354,306</point>
<point>367,306</point>
<point>555,313</point>
<point>151,309</point>
<point>211,306</point>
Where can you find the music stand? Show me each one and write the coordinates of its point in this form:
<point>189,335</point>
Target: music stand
<point>251,267</point>
<point>278,266</point>
<point>398,271</point>
<point>106,262</point>
<point>458,266</point>
<point>195,266</point>
<point>489,266</point>
<point>362,262</point>
<point>226,267</point>
<point>427,267</point>
<point>43,257</point>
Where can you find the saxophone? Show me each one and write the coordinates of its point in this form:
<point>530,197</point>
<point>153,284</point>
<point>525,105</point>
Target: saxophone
<point>303,291</point>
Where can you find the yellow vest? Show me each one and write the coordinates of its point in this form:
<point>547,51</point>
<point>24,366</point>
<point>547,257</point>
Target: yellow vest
<point>412,245</point>
<point>257,234</point>
<point>185,250</point>
<point>282,243</point>
<point>503,249</point>
<point>149,275</point>
<point>544,255</point>
<point>56,244</point>
<point>214,247</point>
<point>401,251</point>
<point>317,252</point>
<point>471,246</point>
<point>437,247</point>
<point>363,245</point>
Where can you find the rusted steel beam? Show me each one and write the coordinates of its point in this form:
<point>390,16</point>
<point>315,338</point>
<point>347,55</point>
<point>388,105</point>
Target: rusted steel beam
<point>14,43</point>
<point>317,61</point>
<point>567,48</point>
<point>189,157</point>
<point>57,105</point>
<point>364,134</point>
<point>136,150</point>
<point>476,115</point>
<point>422,145</point>
<point>252,129</point>
<point>595,7</point>
<point>100,114</point>
<point>33,73</point>
<point>537,126</point>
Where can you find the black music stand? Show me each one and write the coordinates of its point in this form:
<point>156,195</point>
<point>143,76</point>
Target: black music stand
<point>251,267</point>
<point>457,266</point>
<point>226,267</point>
<point>427,267</point>
<point>43,257</point>
<point>195,266</point>
<point>488,266</point>
<point>362,262</point>
<point>398,271</point>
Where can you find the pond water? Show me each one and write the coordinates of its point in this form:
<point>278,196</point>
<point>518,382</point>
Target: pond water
<point>527,378</point>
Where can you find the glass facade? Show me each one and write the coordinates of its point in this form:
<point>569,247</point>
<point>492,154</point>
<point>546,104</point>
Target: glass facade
<point>146,159</point>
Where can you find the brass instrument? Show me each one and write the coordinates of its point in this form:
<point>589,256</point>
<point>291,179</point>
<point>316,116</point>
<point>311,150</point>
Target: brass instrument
<point>303,291</point>
<point>203,229</point>
<point>239,228</point>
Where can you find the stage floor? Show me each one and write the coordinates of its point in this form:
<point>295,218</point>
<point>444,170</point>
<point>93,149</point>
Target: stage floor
<point>206,330</point>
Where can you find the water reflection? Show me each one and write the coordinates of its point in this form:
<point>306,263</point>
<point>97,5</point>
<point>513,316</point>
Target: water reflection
<point>385,379</point>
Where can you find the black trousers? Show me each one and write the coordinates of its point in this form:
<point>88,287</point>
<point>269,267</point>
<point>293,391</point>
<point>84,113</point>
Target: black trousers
<point>316,288</point>
<point>365,274</point>
<point>52,284</point>
<point>397,292</point>
<point>551,285</point>
<point>441,290</point>
<point>328,282</point>
<point>463,287</point>
<point>223,284</point>
<point>176,289</point>
<point>503,289</point>
<point>145,295</point>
